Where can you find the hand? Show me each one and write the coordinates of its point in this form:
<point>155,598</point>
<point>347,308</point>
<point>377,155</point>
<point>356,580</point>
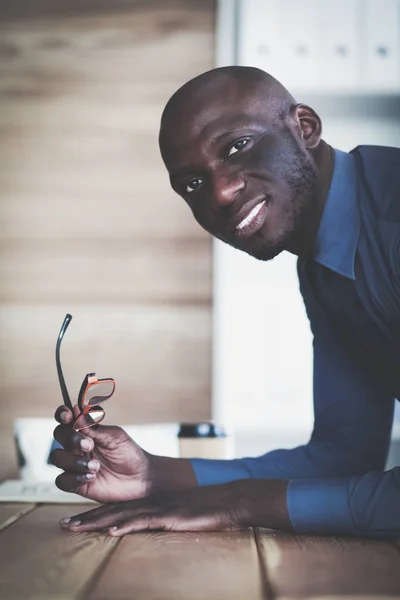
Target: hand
<point>102,463</point>
<point>226,507</point>
<point>211,508</point>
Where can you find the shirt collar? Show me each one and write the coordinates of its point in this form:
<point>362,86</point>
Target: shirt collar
<point>337,235</point>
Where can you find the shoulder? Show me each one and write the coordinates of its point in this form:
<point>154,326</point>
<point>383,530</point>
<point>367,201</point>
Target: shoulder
<point>378,171</point>
<point>381,157</point>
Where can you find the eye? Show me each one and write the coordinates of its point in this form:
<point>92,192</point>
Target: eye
<point>237,146</point>
<point>193,184</point>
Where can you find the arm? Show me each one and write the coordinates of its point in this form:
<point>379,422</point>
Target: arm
<point>351,435</point>
<point>353,419</point>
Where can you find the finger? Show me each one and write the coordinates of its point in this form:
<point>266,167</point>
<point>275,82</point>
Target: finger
<point>63,414</point>
<point>150,522</point>
<point>140,523</point>
<point>97,521</point>
<point>86,423</point>
<point>106,516</point>
<point>72,440</point>
<point>171,521</point>
<point>76,519</point>
<point>73,463</point>
<point>74,482</point>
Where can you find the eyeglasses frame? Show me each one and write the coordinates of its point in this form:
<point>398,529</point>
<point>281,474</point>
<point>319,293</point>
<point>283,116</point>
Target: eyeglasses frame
<point>86,384</point>
<point>89,381</point>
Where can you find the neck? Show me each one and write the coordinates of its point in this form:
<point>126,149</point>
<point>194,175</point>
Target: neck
<point>324,158</point>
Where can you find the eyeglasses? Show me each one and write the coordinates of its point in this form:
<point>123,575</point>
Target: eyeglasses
<point>92,393</point>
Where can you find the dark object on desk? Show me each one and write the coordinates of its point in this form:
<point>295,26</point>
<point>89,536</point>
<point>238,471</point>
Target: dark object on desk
<point>202,440</point>
<point>20,454</point>
<point>200,430</point>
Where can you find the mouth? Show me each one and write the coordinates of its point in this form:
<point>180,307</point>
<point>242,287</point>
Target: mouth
<point>253,221</point>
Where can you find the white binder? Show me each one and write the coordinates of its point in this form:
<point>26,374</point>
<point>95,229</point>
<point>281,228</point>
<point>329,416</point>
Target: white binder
<point>381,46</point>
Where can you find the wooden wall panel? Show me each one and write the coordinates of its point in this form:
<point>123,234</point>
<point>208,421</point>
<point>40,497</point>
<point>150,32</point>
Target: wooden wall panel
<point>88,222</point>
<point>166,270</point>
<point>161,367</point>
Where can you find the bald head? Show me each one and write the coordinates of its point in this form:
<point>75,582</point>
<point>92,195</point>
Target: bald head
<point>240,86</point>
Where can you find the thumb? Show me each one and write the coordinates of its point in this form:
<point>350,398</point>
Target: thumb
<point>102,435</point>
<point>84,423</point>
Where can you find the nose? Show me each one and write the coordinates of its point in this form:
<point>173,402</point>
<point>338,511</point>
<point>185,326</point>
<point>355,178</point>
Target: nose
<point>226,187</point>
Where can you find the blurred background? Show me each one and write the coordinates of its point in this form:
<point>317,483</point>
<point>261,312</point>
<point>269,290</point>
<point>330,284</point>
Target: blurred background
<point>89,224</point>
<point>190,329</point>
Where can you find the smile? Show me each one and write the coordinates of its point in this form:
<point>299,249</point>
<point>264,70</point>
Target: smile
<point>253,221</point>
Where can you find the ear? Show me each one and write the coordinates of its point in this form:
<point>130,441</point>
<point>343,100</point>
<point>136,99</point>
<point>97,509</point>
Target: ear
<point>309,124</point>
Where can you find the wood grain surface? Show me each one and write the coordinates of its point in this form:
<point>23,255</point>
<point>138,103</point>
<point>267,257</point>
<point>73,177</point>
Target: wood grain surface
<point>39,560</point>
<point>89,224</point>
<point>311,567</point>
<point>183,566</point>
<point>9,513</point>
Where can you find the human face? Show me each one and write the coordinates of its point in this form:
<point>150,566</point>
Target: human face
<point>247,178</point>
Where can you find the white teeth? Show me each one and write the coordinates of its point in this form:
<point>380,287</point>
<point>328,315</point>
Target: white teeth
<point>252,214</point>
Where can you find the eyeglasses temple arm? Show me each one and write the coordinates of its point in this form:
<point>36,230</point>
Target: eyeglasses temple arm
<point>64,391</point>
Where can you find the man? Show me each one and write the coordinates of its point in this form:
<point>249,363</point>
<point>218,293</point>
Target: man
<point>251,164</point>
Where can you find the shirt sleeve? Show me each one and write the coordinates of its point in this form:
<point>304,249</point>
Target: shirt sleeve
<point>353,417</point>
<point>364,506</point>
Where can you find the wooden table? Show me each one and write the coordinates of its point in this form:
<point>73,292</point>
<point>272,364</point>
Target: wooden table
<point>40,561</point>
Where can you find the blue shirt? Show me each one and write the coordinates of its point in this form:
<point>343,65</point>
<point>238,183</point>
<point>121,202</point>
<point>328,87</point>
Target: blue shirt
<point>336,480</point>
